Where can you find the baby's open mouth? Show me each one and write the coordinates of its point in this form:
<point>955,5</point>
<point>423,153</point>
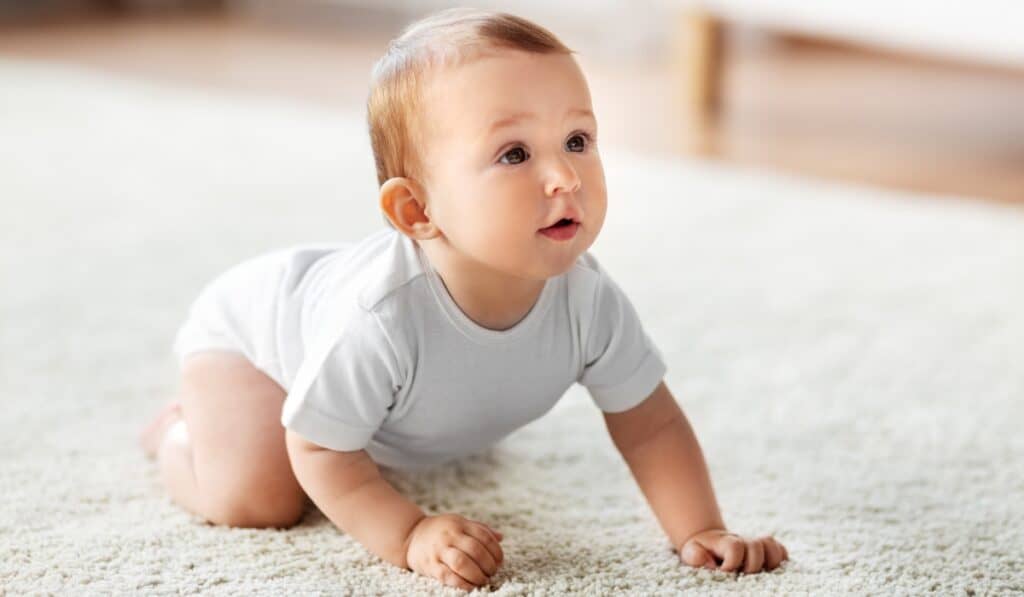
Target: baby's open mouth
<point>561,223</point>
<point>563,229</point>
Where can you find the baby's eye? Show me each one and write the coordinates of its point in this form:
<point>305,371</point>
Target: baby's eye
<point>516,155</point>
<point>577,146</point>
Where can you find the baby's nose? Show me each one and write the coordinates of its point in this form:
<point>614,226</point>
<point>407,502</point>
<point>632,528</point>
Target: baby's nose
<point>562,178</point>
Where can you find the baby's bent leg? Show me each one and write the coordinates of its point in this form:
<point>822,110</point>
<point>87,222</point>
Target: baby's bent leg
<point>226,460</point>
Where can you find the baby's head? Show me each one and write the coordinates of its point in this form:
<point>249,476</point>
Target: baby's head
<point>483,134</point>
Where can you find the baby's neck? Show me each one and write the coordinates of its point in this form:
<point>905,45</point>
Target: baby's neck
<point>492,299</point>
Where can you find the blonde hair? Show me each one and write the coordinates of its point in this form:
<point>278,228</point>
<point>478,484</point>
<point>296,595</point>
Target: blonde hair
<point>446,38</point>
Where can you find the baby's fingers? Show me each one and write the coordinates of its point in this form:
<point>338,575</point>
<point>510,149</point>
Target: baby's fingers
<point>462,564</point>
<point>443,573</point>
<point>732,550</point>
<point>774,553</point>
<point>696,555</point>
<point>497,535</point>
<point>487,540</point>
<point>755,557</point>
<point>474,549</point>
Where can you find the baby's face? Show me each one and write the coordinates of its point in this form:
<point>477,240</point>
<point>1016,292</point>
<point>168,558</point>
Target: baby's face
<point>508,150</point>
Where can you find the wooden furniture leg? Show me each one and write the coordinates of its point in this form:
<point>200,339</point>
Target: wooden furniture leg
<point>699,55</point>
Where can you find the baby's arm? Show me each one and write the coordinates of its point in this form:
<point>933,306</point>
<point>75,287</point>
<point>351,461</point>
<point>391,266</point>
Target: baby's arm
<point>662,452</point>
<point>348,489</point>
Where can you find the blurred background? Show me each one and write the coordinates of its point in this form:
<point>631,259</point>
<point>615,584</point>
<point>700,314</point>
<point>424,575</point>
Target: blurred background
<point>912,95</point>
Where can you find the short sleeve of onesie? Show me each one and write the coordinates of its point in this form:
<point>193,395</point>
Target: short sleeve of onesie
<point>622,366</point>
<point>344,390</point>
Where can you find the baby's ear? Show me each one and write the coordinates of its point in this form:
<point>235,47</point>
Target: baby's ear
<point>403,202</point>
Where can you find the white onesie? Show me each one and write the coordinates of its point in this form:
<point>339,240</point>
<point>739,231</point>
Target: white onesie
<point>374,353</point>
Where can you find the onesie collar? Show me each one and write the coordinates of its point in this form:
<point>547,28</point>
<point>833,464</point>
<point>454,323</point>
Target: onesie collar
<point>470,328</point>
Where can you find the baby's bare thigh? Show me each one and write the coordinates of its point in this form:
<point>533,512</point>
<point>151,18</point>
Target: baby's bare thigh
<point>232,411</point>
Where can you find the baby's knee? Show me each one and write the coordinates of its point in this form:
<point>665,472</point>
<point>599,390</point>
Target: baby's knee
<point>255,507</point>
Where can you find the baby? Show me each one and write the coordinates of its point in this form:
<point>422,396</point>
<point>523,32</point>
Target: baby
<point>307,370</point>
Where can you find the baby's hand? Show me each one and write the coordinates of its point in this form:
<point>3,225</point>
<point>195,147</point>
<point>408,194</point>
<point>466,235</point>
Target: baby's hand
<point>707,547</point>
<point>455,550</point>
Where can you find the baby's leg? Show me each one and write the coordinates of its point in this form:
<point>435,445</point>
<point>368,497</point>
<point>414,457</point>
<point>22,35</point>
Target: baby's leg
<point>225,460</point>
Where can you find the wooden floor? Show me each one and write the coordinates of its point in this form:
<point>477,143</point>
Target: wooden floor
<point>820,110</point>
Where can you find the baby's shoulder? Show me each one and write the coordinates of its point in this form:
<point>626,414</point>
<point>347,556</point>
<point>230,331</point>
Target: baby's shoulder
<point>388,273</point>
<point>593,290</point>
<point>585,276</point>
<point>351,282</point>
<point>586,266</point>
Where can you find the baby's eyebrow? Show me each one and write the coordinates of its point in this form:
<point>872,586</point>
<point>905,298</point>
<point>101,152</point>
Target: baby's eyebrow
<point>519,116</point>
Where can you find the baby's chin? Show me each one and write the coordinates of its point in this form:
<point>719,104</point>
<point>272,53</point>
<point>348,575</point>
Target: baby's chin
<point>538,262</point>
<point>560,266</point>
<point>538,271</point>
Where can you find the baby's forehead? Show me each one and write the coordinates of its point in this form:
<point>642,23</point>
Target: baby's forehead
<point>436,88</point>
<point>441,67</point>
<point>474,76</point>
<point>463,99</point>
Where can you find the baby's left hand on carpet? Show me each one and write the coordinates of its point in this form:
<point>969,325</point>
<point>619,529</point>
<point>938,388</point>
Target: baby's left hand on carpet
<point>706,548</point>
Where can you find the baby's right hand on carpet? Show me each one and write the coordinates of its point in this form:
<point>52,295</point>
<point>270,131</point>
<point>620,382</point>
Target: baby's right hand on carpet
<point>455,550</point>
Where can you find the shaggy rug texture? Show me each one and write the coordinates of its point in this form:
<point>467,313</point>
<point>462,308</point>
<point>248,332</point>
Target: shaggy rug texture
<point>852,361</point>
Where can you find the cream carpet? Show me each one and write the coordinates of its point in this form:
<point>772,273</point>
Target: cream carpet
<point>851,359</point>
